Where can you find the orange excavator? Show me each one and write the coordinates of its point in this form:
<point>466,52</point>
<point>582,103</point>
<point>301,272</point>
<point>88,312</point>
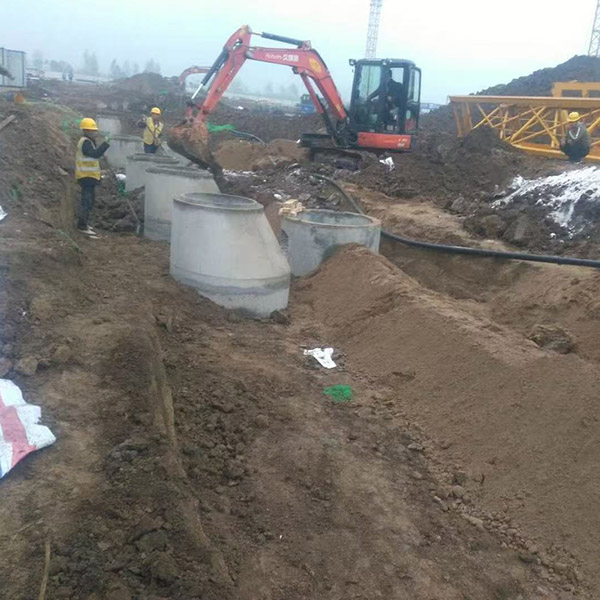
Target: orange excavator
<point>193,70</point>
<point>384,107</point>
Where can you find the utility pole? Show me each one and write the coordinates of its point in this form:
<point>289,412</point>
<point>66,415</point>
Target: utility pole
<point>373,30</point>
<point>594,49</point>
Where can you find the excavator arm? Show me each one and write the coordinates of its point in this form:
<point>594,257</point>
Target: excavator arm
<point>191,138</point>
<point>193,70</point>
<point>304,61</point>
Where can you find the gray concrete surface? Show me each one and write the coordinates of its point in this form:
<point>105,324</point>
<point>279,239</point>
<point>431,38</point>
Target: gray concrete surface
<point>109,124</point>
<point>122,146</point>
<point>136,165</point>
<point>163,184</point>
<point>224,247</point>
<point>313,235</point>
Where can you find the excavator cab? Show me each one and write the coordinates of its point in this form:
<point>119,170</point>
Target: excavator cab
<point>385,103</point>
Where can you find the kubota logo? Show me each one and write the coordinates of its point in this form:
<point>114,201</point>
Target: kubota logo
<point>315,65</point>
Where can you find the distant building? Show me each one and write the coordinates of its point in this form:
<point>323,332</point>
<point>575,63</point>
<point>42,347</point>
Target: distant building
<point>14,62</point>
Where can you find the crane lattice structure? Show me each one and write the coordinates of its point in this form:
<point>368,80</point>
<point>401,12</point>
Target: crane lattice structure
<point>373,30</point>
<point>594,49</point>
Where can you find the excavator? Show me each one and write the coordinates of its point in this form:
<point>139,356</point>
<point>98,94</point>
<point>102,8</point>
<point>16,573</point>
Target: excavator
<point>383,114</point>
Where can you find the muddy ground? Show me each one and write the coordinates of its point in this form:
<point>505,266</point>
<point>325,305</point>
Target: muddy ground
<point>197,455</point>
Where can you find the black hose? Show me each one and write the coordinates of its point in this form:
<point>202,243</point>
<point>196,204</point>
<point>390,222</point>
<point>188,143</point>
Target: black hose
<point>478,252</point>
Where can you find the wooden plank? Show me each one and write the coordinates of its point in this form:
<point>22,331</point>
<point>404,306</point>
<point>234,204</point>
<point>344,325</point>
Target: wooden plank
<point>7,121</point>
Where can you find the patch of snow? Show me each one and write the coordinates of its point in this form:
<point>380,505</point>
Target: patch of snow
<point>559,193</point>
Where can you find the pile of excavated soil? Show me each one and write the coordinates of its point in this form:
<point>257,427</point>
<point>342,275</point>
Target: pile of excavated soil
<point>240,155</point>
<point>557,212</point>
<point>268,126</point>
<point>539,83</point>
<point>443,168</point>
<point>520,421</point>
<point>145,83</point>
<point>36,166</point>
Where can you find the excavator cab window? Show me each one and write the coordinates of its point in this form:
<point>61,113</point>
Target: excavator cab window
<point>386,96</point>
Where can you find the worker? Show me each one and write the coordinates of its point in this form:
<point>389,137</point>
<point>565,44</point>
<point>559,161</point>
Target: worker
<point>393,92</point>
<point>87,171</point>
<point>152,130</point>
<point>576,144</point>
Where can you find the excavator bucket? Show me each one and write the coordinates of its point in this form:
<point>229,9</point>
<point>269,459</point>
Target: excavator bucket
<point>190,139</point>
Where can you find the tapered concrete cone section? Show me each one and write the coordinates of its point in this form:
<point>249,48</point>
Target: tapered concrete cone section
<point>224,247</point>
<point>162,185</point>
<point>122,146</point>
<point>313,236</point>
<point>138,163</point>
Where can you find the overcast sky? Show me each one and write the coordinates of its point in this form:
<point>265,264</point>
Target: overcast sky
<point>462,46</point>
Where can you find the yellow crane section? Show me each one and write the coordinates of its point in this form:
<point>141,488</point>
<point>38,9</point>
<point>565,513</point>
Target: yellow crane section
<point>535,124</point>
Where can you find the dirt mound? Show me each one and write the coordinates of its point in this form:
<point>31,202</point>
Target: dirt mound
<point>539,83</point>
<point>145,83</point>
<point>500,404</point>
<point>444,167</point>
<point>267,125</point>
<point>240,155</point>
<point>557,212</point>
<point>38,169</point>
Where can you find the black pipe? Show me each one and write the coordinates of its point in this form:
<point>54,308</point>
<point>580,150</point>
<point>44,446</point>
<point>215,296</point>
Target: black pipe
<point>478,252</point>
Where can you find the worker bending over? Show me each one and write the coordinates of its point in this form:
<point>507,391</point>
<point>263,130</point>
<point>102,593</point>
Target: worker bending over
<point>87,171</point>
<point>576,144</point>
<point>152,130</point>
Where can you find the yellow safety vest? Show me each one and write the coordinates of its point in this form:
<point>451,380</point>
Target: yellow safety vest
<point>152,132</point>
<point>85,166</point>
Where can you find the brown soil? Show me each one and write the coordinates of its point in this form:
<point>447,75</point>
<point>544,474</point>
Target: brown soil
<point>539,83</point>
<point>190,465</point>
<point>496,404</point>
<point>239,155</point>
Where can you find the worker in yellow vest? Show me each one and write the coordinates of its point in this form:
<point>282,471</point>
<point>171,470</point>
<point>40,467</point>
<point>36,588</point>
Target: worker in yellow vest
<point>87,171</point>
<point>152,131</point>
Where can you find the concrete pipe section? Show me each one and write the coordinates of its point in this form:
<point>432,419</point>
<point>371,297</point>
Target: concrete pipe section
<point>122,146</point>
<point>313,235</point>
<point>137,164</point>
<point>109,124</point>
<point>163,183</point>
<point>224,247</point>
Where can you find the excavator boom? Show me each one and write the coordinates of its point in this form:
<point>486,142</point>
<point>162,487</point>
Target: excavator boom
<point>191,137</point>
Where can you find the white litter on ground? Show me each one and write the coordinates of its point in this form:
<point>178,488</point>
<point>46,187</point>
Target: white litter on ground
<point>2,214</point>
<point>560,193</point>
<point>388,163</point>
<point>20,431</point>
<point>323,355</point>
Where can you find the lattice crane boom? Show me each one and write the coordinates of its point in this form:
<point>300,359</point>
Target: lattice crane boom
<point>594,49</point>
<point>373,29</point>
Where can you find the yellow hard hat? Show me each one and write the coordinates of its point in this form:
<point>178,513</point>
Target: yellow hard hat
<point>88,124</point>
<point>574,117</point>
<point>156,111</point>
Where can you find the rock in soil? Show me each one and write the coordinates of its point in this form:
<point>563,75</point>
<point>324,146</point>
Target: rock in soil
<point>553,337</point>
<point>5,366</point>
<point>27,366</point>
